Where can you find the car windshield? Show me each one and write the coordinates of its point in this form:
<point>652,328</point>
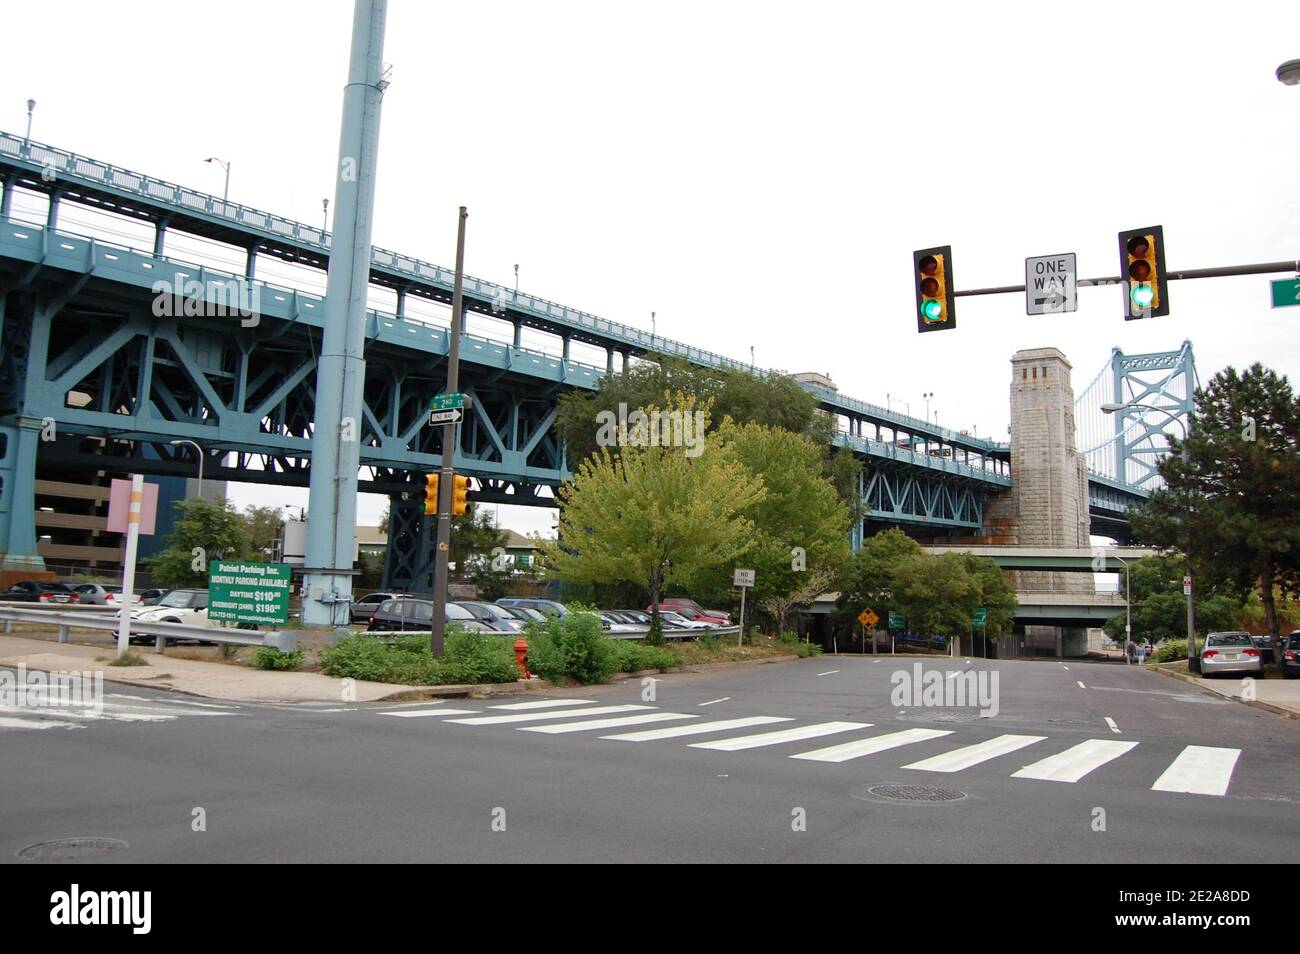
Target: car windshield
<point>1228,639</point>
<point>456,611</point>
<point>177,598</point>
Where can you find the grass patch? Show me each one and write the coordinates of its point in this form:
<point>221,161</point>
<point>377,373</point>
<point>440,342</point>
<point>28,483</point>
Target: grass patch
<point>128,659</point>
<point>709,649</point>
<point>268,657</point>
<point>466,658</point>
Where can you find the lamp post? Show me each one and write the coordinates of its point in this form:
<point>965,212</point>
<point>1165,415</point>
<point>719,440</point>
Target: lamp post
<point>928,395</point>
<point>1193,658</point>
<point>1128,610</point>
<point>325,216</point>
<point>31,106</point>
<point>225,195</point>
<point>199,451</point>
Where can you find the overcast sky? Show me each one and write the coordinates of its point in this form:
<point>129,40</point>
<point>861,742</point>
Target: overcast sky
<point>756,173</point>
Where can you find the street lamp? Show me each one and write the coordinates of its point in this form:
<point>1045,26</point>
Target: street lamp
<point>325,216</point>
<point>927,395</point>
<point>1193,658</point>
<point>652,325</point>
<point>198,450</point>
<point>31,105</point>
<point>1128,610</point>
<point>1289,73</point>
<point>225,196</point>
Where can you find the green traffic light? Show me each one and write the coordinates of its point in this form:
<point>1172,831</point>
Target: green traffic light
<point>1142,294</point>
<point>931,310</point>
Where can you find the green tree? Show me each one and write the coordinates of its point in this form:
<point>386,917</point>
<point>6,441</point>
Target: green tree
<point>996,595</point>
<point>653,516</point>
<point>204,530</point>
<point>265,525</point>
<point>474,535</point>
<point>875,569</point>
<point>799,526</point>
<point>1232,489</point>
<point>1159,607</point>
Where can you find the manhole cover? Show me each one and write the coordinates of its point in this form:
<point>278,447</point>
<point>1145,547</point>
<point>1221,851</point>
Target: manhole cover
<point>930,715</point>
<point>915,793</point>
<point>70,849</point>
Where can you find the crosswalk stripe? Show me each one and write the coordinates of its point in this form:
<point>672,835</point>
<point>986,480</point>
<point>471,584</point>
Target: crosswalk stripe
<point>737,743</point>
<point>537,716</point>
<point>614,723</point>
<point>421,713</point>
<point>879,743</point>
<point>969,755</point>
<point>696,728</point>
<point>1075,762</point>
<point>1199,770</point>
<point>545,704</point>
<point>9,723</point>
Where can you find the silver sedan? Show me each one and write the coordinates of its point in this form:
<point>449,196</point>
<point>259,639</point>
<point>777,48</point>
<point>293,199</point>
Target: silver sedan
<point>1229,652</point>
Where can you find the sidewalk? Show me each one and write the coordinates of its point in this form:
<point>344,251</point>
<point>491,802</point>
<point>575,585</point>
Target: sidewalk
<point>1277,695</point>
<point>213,680</point>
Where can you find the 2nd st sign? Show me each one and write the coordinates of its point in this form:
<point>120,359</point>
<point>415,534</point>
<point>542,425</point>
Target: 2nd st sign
<point>1286,292</point>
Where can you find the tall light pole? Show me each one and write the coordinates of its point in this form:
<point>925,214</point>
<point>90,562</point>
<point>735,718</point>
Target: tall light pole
<point>325,216</point>
<point>928,395</point>
<point>31,106</point>
<point>516,279</point>
<point>197,450</point>
<point>1193,658</point>
<point>1128,610</point>
<point>225,195</point>
<point>652,324</point>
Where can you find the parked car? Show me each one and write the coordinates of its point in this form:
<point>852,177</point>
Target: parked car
<point>1229,652</point>
<point>634,616</point>
<point>405,613</point>
<point>677,621</point>
<point>96,594</point>
<point>178,606</point>
<point>1265,646</point>
<point>525,614</point>
<point>150,597</point>
<point>498,617</point>
<point>617,625</point>
<point>1291,653</point>
<point>681,605</point>
<point>31,591</point>
<point>365,607</point>
<point>545,607</point>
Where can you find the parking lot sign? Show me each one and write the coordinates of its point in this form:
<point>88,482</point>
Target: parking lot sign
<point>248,592</point>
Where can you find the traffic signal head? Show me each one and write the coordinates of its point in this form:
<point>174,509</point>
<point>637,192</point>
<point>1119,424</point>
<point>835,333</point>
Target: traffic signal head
<point>459,494</point>
<point>431,495</point>
<point>1142,273</point>
<point>932,273</point>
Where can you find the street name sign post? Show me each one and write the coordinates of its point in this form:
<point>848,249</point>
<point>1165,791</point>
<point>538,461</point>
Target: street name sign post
<point>743,579</point>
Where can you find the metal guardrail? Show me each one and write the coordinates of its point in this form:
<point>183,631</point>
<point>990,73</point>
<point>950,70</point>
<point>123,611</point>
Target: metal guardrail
<point>638,634</point>
<point>66,621</point>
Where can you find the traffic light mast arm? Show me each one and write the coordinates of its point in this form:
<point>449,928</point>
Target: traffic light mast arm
<point>1220,271</point>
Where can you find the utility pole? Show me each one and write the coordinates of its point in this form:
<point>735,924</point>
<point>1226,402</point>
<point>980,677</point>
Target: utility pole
<point>450,440</point>
<point>340,372</point>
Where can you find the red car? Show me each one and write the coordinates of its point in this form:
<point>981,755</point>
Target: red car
<point>692,610</point>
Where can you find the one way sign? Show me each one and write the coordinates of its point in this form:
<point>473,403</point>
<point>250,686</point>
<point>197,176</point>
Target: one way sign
<point>1050,284</point>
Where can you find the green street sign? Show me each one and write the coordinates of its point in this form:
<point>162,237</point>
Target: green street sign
<point>1286,292</point>
<point>248,592</point>
<point>896,620</point>
<point>981,616</point>
<point>447,402</point>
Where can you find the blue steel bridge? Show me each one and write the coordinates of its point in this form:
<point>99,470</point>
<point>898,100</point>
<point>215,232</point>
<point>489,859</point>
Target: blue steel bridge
<point>84,348</point>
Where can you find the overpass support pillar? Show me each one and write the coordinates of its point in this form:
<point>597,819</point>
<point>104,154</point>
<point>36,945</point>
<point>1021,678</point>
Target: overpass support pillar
<point>519,334</point>
<point>18,498</point>
<point>6,197</point>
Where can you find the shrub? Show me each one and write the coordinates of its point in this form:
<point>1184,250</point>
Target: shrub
<point>573,646</point>
<point>357,657</point>
<point>129,658</point>
<point>631,656</point>
<point>1171,650</point>
<point>467,657</point>
<point>268,657</point>
<point>475,657</point>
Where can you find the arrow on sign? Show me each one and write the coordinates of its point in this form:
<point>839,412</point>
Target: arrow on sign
<point>452,416</point>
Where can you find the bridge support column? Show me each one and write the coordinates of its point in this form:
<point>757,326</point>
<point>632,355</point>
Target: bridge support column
<point>18,498</point>
<point>6,197</point>
<point>519,334</point>
<point>408,560</point>
<point>609,360</point>
<point>250,263</point>
<point>401,302</point>
<point>52,217</point>
<point>159,238</point>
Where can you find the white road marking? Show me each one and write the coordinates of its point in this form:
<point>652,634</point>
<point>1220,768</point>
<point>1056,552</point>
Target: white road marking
<point>545,704</point>
<point>695,728</point>
<point>951,674</point>
<point>8,723</point>
<point>1065,667</point>
<point>741,742</point>
<point>1081,685</point>
<point>421,713</point>
<point>1075,762</point>
<point>537,716</point>
<point>173,702</point>
<point>879,743</point>
<point>589,724</point>
<point>1113,727</point>
<point>829,672</point>
<point>712,701</point>
<point>969,755</point>
<point>1199,770</point>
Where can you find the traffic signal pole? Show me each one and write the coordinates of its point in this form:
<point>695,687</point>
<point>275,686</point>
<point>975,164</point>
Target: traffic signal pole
<point>449,444</point>
<point>1222,271</point>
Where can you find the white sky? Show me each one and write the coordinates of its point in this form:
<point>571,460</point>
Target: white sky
<point>757,174</point>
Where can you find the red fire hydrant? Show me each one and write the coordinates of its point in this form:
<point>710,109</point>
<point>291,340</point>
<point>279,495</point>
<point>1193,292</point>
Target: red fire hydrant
<point>521,658</point>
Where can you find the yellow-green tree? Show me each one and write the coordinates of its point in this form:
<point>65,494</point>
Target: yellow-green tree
<point>656,516</point>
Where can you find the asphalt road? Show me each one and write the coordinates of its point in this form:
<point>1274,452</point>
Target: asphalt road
<point>379,783</point>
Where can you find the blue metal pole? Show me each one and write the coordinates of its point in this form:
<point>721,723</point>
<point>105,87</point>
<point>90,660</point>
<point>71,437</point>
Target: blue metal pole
<point>340,376</point>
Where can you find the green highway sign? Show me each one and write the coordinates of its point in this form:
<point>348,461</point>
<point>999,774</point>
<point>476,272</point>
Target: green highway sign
<point>447,402</point>
<point>896,620</point>
<point>248,592</point>
<point>1286,292</point>
<point>981,616</point>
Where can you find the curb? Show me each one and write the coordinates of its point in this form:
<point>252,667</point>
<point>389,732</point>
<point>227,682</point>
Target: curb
<point>1266,706</point>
